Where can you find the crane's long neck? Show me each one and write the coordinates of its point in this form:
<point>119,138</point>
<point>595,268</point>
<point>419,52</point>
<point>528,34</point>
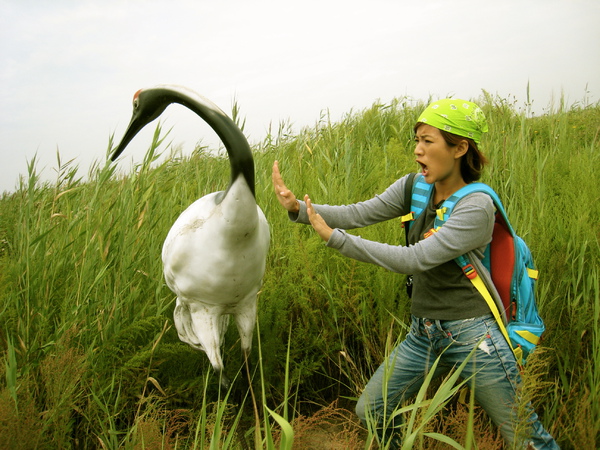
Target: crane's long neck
<point>238,149</point>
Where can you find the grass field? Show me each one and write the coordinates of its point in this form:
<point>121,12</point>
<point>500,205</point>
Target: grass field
<point>90,357</point>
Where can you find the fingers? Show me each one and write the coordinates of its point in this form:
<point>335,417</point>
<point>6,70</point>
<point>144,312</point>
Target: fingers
<point>313,216</point>
<point>280,187</point>
<point>317,221</point>
<point>276,177</point>
<point>309,208</point>
<point>284,195</point>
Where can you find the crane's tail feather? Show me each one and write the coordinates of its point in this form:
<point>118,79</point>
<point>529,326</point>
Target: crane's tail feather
<point>203,330</point>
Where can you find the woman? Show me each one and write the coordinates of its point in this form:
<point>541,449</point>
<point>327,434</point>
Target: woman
<point>449,316</point>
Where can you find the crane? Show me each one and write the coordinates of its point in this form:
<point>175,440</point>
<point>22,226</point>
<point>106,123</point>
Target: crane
<point>214,256</point>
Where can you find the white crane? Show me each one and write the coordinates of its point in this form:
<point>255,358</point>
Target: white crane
<point>214,256</point>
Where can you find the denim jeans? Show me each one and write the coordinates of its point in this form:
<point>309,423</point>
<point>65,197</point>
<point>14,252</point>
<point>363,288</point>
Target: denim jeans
<point>493,367</point>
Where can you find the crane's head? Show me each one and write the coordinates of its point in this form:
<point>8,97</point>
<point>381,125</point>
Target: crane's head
<point>148,104</point>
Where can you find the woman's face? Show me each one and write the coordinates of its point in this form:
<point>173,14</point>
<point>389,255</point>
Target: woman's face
<point>437,159</point>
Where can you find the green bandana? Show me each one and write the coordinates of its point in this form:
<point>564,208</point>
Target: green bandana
<point>456,116</point>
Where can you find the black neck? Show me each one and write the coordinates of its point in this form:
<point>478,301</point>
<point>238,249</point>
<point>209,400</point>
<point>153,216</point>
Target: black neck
<point>238,149</point>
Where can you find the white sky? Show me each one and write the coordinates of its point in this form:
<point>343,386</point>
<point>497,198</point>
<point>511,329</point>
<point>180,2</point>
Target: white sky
<point>69,69</point>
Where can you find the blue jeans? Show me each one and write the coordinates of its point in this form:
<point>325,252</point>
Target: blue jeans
<point>493,368</point>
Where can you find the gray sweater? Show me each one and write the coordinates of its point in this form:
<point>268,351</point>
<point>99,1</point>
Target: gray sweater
<point>441,290</point>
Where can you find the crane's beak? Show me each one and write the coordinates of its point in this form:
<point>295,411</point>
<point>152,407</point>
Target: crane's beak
<point>136,124</point>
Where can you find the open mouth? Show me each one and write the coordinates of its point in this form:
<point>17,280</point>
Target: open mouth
<point>424,168</point>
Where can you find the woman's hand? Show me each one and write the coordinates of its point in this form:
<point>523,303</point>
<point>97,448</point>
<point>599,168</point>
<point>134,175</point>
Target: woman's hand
<point>284,195</point>
<point>317,221</point>
<point>289,202</point>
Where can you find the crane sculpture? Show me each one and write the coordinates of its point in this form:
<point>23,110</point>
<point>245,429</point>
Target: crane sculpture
<point>214,256</point>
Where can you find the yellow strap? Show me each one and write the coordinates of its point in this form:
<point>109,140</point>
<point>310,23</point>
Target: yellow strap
<point>528,336</point>
<point>440,212</point>
<point>533,273</point>
<point>480,286</point>
<point>410,216</point>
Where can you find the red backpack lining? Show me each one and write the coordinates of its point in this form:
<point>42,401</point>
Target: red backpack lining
<point>502,262</point>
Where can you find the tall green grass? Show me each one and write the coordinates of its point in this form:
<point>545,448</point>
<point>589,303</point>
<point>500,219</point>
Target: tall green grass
<point>90,357</point>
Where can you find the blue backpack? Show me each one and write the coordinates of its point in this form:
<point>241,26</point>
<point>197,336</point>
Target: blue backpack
<point>507,259</point>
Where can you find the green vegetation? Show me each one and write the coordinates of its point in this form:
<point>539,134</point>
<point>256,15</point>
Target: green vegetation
<point>89,357</point>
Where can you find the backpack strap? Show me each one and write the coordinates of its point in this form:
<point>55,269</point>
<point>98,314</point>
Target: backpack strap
<point>463,261</point>
<point>449,204</point>
<point>417,195</point>
<point>421,193</point>
<point>408,191</point>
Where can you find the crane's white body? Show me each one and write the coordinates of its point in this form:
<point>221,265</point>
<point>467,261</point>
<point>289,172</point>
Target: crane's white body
<point>215,254</point>
<point>214,260</point>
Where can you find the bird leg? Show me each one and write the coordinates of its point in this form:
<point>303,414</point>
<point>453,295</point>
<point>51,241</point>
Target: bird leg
<point>224,381</point>
<point>254,405</point>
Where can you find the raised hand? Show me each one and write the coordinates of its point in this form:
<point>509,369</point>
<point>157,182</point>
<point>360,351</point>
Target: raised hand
<point>284,195</point>
<point>317,222</point>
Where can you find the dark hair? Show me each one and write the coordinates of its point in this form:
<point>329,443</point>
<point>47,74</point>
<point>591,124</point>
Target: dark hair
<point>472,163</point>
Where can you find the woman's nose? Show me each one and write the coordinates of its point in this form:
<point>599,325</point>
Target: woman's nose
<point>418,149</point>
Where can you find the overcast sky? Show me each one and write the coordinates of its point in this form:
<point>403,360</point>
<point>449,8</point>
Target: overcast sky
<point>69,69</point>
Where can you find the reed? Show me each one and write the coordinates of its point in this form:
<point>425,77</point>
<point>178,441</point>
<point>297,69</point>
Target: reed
<point>89,356</point>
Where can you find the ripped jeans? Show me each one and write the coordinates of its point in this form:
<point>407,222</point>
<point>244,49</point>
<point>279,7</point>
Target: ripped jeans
<point>493,367</point>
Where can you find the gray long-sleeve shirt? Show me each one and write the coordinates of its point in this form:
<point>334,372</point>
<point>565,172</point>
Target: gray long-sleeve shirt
<point>441,290</point>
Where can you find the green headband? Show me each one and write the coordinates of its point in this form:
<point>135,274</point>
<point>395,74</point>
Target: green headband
<point>456,116</point>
